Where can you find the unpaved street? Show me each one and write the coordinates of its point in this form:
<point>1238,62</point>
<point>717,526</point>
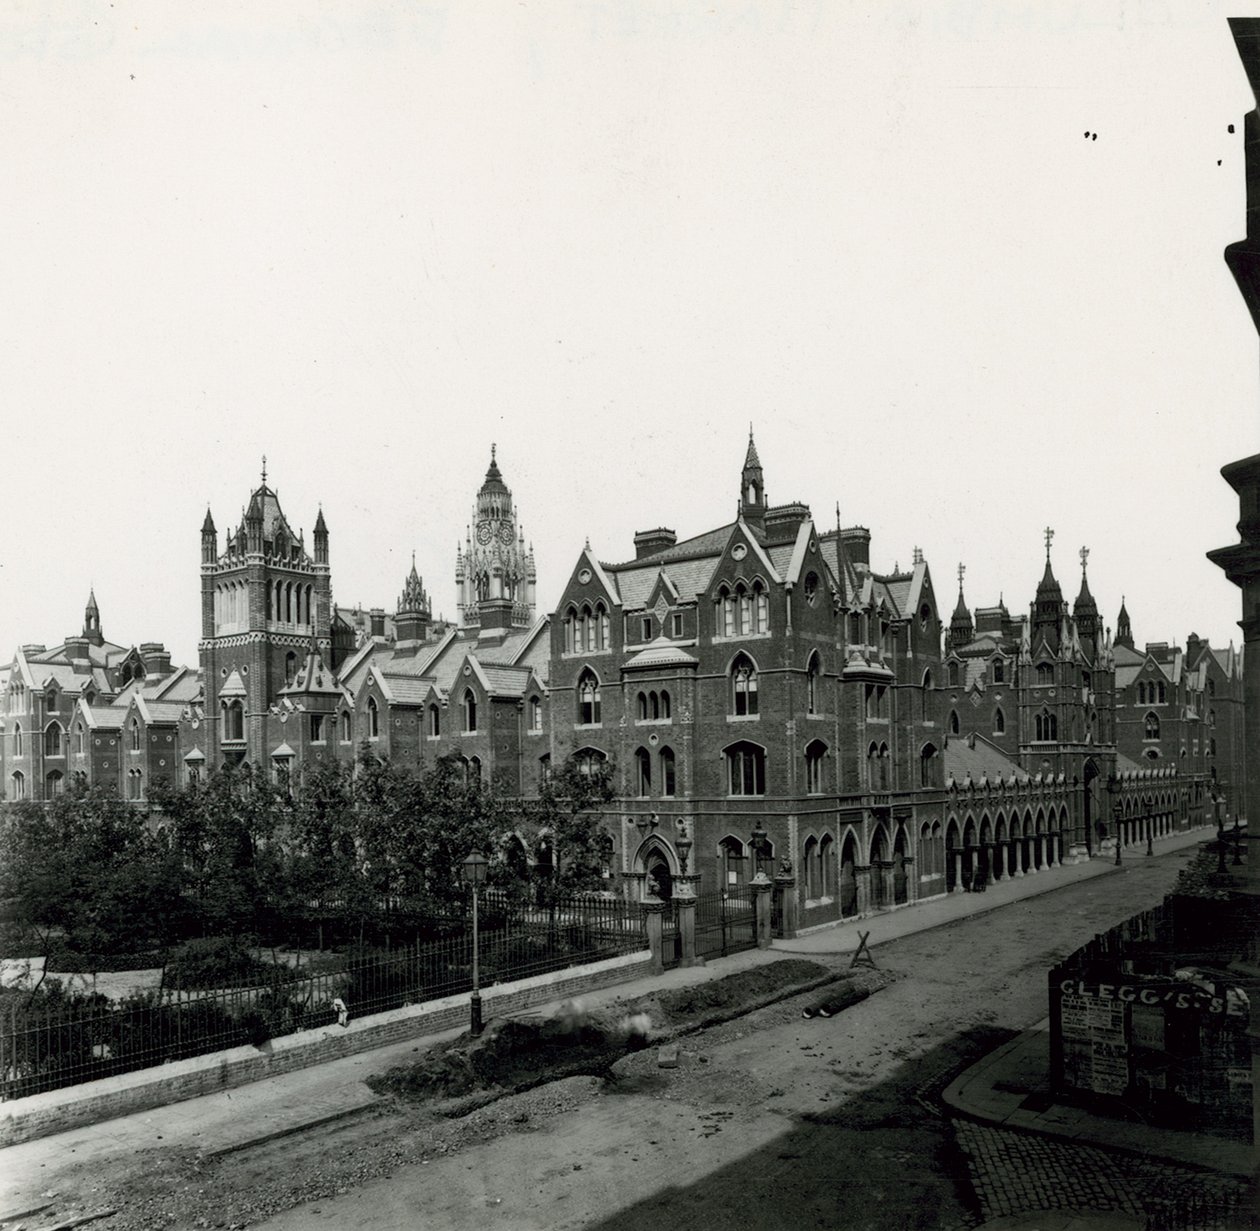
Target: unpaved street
<point>770,1121</point>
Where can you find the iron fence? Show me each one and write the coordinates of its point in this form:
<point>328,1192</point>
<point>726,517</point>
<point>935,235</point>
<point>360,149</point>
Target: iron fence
<point>55,1038</point>
<point>726,921</point>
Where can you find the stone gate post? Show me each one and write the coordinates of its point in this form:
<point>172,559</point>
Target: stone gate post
<point>653,917</point>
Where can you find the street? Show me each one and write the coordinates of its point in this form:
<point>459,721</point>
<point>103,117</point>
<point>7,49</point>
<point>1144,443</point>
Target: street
<point>773,1121</point>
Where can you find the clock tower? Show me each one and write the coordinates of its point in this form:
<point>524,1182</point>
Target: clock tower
<point>494,571</point>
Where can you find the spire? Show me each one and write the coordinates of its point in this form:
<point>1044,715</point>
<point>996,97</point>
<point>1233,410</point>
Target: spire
<point>1048,607</point>
<point>752,492</point>
<point>961,629</point>
<point>92,619</point>
<point>1085,610</point>
<point>207,526</point>
<point>1124,633</point>
<point>494,479</point>
<point>321,526</point>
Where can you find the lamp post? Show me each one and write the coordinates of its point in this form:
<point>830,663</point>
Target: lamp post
<point>1218,801</point>
<point>1116,813</point>
<point>474,873</point>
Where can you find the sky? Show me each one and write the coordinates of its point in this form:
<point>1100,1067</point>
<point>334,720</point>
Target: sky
<point>367,240</point>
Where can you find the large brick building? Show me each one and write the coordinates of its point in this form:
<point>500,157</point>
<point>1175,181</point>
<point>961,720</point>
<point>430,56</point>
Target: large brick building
<point>763,698</point>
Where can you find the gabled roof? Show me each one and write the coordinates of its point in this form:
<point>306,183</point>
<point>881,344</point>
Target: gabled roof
<point>233,686</point>
<point>161,712</point>
<point>978,758</point>
<point>503,681</point>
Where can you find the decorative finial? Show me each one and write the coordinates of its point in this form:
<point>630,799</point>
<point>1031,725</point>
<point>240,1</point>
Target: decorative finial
<point>492,449</point>
<point>962,571</point>
<point>918,555</point>
<point>1084,557</point>
<point>264,470</point>
<point>1049,539</point>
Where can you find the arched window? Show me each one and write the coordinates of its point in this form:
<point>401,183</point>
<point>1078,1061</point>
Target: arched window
<point>811,683</point>
<point>234,721</point>
<point>953,722</point>
<point>17,739</point>
<point>1046,725</point>
<point>669,783</point>
<point>50,701</point>
<point>1161,692</point>
<point>134,729</point>
<point>1141,692</point>
<point>135,784</point>
<point>856,636</point>
<point>571,645</point>
<point>732,861</point>
<point>827,866</point>
<point>590,761</point>
<point>643,707</point>
<point>642,772</point>
<point>588,700</point>
<point>926,698</point>
<point>589,627</point>
<point>811,588</point>
<point>1211,718</point>
<point>605,627</point>
<point>17,783</point>
<point>746,766</point>
<point>373,719</point>
<point>345,726</point>
<point>954,675</point>
<point>1045,673</point>
<point>743,687</point>
<point>52,740</point>
<point>544,768</point>
<point>78,738</point>
<point>761,609</point>
<point>999,722</point>
<point>654,705</point>
<point>999,670</point>
<point>290,668</point>
<point>54,784</point>
<point>435,721</point>
<point>1150,728</point>
<point>1211,688</point>
<point>1212,746</point>
<point>474,771</point>
<point>745,603</point>
<point>666,712</point>
<point>815,752</point>
<point>811,869</point>
<point>535,714</point>
<point>470,711</point>
<point>884,763</point>
<point>927,754</point>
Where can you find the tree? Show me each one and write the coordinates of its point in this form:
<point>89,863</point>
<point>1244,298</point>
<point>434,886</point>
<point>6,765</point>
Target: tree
<point>569,808</point>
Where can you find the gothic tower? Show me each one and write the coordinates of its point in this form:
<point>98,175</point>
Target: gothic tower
<point>92,621</point>
<point>495,576</point>
<point>961,629</point>
<point>265,604</point>
<point>752,490</point>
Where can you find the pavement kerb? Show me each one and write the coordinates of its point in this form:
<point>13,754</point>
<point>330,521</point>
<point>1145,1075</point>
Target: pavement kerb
<point>371,1104</point>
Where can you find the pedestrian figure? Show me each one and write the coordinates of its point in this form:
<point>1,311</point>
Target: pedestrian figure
<point>343,1014</point>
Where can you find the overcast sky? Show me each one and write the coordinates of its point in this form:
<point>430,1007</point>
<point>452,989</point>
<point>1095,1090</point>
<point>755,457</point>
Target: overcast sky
<point>368,239</point>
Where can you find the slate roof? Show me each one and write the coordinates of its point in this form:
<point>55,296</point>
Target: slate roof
<point>505,681</point>
<point>660,653</point>
<point>982,760</point>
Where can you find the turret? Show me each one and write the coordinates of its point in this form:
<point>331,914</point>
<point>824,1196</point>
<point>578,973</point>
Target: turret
<point>411,620</point>
<point>961,630</point>
<point>1048,607</point>
<point>209,540</point>
<point>92,620</point>
<point>321,538</point>
<point>752,491</point>
<point>1124,634</point>
<point>1085,610</point>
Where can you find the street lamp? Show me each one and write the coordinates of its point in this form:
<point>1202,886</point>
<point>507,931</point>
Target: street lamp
<point>474,873</point>
<point>1117,811</point>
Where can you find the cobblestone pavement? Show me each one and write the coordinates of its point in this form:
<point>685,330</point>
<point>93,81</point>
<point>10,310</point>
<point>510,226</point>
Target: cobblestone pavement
<point>1014,1172</point>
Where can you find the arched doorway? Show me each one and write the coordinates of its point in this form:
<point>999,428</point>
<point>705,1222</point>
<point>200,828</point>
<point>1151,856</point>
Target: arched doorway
<point>879,863</point>
<point>969,853</point>
<point>952,877</point>
<point>901,893</point>
<point>848,879</point>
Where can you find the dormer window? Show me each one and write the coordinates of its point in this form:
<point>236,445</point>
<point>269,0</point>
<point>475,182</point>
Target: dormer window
<point>999,671</point>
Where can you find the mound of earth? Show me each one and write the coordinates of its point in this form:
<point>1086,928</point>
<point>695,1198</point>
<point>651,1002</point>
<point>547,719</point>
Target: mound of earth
<point>516,1053</point>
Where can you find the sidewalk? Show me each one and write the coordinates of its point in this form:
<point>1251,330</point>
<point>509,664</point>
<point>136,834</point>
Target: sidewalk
<point>235,1119</point>
<point>1011,1087</point>
<point>277,1106</point>
<point>949,908</point>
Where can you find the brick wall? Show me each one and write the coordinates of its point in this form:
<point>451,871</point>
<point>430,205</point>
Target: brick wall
<point>58,1110</point>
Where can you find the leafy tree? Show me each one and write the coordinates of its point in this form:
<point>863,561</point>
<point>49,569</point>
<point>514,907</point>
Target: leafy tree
<point>569,808</point>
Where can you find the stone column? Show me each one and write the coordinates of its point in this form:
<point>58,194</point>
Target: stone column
<point>763,892</point>
<point>862,877</point>
<point>912,880</point>
<point>653,912</point>
<point>1017,855</point>
<point>958,870</point>
<point>685,907</point>
<point>789,910</point>
<point>890,887</point>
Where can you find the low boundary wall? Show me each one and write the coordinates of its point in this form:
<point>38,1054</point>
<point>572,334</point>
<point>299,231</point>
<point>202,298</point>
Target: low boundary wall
<point>55,1111</point>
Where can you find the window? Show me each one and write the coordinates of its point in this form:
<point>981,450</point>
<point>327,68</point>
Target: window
<point>927,754</point>
<point>52,740</point>
<point>732,861</point>
<point>646,628</point>
<point>746,764</point>
<point>827,865</point>
<point>605,627</point>
<point>135,784</point>
<point>234,722</point>
<point>588,700</point>
<point>1141,692</point>
<point>810,868</point>
<point>953,675</point>
<point>811,588</point>
<point>1162,698</point>
<point>135,735</point>
<point>373,719</point>
<point>345,726</point>
<point>1047,726</point>
<point>571,645</point>
<point>811,684</point>
<point>590,761</point>
<point>999,670</point>
<point>535,714</point>
<point>643,707</point>
<point>877,767</point>
<point>17,739</point>
<point>17,784</point>
<point>855,628</point>
<point>642,772</point>
<point>1150,728</point>
<point>876,701</point>
<point>815,752</point>
<point>281,773</point>
<point>470,711</point>
<point>54,784</point>
<point>290,668</point>
<point>78,739</point>
<point>474,771</point>
<point>1211,718</point>
<point>953,722</point>
<point>435,721</point>
<point>926,698</point>
<point>761,609</point>
<point>677,622</point>
<point>1212,747</point>
<point>925,617</point>
<point>317,728</point>
<point>1211,688</point>
<point>999,722</point>
<point>544,768</point>
<point>51,700</point>
<point>1045,673</point>
<point>743,688</point>
<point>668,779</point>
<point>666,712</point>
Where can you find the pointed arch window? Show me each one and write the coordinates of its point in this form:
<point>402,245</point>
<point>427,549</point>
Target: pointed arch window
<point>954,674</point>
<point>1150,727</point>
<point>669,782</point>
<point>925,697</point>
<point>1141,692</point>
<point>643,707</point>
<point>17,785</point>
<point>827,865</point>
<point>435,721</point>
<point>666,711</point>
<point>535,714</point>
<point>1162,695</point>
<point>927,756</point>
<point>373,719</point>
<point>78,738</point>
<point>54,784</point>
<point>877,767</point>
<point>811,869</point>
<point>999,670</point>
<point>953,722</point>
<point>815,758</point>
<point>1046,726</point>
<point>1045,674</point>
<point>999,722</point>
<point>290,669</point>
<point>590,761</point>
<point>588,700</point>
<point>746,766</point>
<point>732,861</point>
<point>53,740</point>
<point>744,699</point>
<point>642,772</point>
<point>135,735</point>
<point>470,711</point>
<point>761,609</point>
<point>345,726</point>
<point>811,684</point>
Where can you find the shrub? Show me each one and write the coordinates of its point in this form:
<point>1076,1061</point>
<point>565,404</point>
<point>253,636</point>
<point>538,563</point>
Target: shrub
<point>219,961</point>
